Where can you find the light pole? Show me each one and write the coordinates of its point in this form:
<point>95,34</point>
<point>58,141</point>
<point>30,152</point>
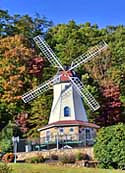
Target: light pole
<point>15,141</point>
<point>57,138</point>
<point>57,141</point>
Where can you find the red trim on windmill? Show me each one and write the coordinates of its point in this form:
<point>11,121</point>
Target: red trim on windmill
<point>65,75</point>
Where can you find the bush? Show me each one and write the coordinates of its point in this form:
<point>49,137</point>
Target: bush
<point>83,156</point>
<point>36,159</point>
<point>67,158</point>
<point>8,157</point>
<point>110,147</point>
<point>4,168</point>
<point>54,157</point>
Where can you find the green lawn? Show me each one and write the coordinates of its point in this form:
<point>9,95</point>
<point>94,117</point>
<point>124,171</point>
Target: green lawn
<point>43,168</point>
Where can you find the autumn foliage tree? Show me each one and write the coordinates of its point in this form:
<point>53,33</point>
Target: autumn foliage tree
<point>22,122</point>
<point>35,66</point>
<point>110,105</point>
<point>15,71</point>
<point>110,111</point>
<point>20,66</point>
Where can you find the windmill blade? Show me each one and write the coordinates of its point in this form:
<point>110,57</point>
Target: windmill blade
<point>89,99</point>
<point>40,89</point>
<point>47,51</point>
<point>67,91</point>
<point>89,55</point>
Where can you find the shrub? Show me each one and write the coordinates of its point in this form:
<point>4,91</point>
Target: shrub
<point>36,159</point>
<point>67,158</point>
<point>8,157</point>
<point>54,157</point>
<point>110,147</point>
<point>4,168</point>
<point>83,156</point>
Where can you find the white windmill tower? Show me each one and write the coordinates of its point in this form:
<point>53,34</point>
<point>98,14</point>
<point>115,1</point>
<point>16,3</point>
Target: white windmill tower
<point>67,107</point>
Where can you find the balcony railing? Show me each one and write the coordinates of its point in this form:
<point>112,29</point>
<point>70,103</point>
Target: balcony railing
<point>51,142</point>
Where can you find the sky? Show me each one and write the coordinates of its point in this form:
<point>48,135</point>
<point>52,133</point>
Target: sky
<point>101,12</point>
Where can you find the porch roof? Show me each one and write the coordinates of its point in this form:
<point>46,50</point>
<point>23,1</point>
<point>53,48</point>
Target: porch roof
<point>65,123</point>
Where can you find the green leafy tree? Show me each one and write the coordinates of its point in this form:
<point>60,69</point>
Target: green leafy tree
<point>67,41</point>
<point>6,138</point>
<point>110,147</point>
<point>39,114</point>
<point>25,25</point>
<point>6,26</point>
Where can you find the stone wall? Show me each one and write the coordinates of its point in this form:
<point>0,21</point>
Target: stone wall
<point>25,155</point>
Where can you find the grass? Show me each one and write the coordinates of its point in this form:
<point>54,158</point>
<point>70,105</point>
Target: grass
<point>43,168</point>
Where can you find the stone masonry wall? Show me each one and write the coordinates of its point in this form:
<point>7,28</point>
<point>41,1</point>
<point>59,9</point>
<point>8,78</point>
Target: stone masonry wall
<point>25,155</point>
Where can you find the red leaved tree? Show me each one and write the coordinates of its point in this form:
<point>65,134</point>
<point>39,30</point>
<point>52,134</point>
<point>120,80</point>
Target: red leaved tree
<point>21,122</point>
<point>111,105</point>
<point>36,66</point>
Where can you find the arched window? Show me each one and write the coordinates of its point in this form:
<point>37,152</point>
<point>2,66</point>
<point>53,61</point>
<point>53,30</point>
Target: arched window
<point>66,111</point>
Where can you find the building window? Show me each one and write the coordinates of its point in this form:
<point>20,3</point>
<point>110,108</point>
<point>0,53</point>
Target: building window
<point>88,134</point>
<point>48,136</point>
<point>66,111</point>
<point>61,130</point>
<point>71,130</point>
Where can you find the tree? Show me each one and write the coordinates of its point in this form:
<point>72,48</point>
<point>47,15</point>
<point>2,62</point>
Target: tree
<point>20,66</point>
<point>99,67</point>
<point>110,147</point>
<point>93,87</point>
<point>67,41</point>
<point>15,74</point>
<point>6,26</point>
<point>111,105</point>
<point>39,114</point>
<point>25,25</point>
<point>6,138</point>
<point>22,122</point>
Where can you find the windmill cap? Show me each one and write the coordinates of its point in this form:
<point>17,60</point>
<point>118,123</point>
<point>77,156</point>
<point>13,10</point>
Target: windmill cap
<point>64,75</point>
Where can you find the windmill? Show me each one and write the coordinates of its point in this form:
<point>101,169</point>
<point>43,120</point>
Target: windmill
<point>68,116</point>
